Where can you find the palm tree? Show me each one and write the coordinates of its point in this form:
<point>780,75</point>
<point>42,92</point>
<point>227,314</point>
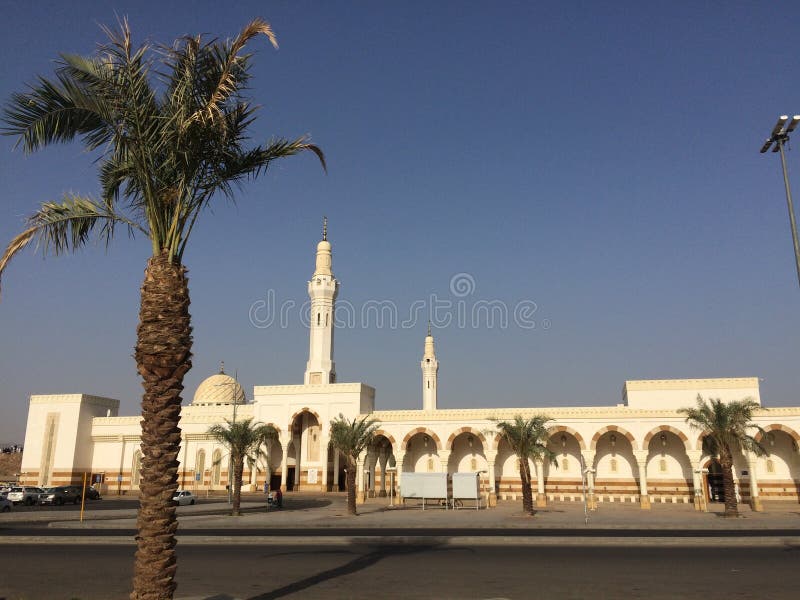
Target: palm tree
<point>528,440</point>
<point>245,441</point>
<point>725,426</point>
<point>351,438</point>
<point>168,126</point>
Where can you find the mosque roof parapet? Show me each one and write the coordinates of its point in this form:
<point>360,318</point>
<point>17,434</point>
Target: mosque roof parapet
<point>75,398</point>
<point>692,384</point>
<point>313,388</point>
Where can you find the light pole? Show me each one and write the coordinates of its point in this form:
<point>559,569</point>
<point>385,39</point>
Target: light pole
<point>779,137</point>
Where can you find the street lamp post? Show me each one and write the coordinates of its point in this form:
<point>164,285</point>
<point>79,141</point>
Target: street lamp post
<point>779,137</point>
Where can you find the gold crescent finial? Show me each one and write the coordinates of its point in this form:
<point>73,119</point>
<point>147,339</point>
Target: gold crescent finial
<point>324,229</point>
<point>222,367</point>
<point>429,328</point>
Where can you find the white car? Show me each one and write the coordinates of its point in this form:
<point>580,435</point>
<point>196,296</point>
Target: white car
<point>24,494</point>
<point>183,497</point>
<point>5,505</point>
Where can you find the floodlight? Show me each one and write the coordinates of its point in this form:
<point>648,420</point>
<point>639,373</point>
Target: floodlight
<point>790,127</point>
<point>779,125</point>
<point>766,146</point>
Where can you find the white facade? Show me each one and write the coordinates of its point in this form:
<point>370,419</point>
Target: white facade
<point>638,451</point>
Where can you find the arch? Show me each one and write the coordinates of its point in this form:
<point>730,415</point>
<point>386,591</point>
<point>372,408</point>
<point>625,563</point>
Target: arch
<point>552,431</point>
<point>779,427</point>
<point>136,469</point>
<point>430,433</point>
<point>614,428</point>
<point>671,429</point>
<point>471,430</point>
<point>388,436</point>
<point>309,411</point>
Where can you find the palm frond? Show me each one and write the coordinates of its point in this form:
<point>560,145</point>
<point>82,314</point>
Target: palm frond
<point>67,226</point>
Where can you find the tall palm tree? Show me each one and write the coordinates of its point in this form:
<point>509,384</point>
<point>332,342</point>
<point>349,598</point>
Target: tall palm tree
<point>725,426</point>
<point>528,440</point>
<point>246,441</point>
<point>169,127</point>
<point>352,438</point>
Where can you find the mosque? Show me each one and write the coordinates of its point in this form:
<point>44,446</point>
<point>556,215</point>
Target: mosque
<point>639,451</point>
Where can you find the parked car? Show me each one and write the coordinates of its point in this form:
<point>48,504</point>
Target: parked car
<point>24,495</point>
<point>92,494</point>
<point>5,505</point>
<point>60,495</point>
<point>183,497</point>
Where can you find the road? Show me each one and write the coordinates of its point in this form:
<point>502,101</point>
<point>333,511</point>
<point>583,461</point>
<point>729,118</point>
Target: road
<point>415,570</point>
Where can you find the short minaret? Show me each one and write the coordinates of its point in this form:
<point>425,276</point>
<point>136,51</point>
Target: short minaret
<point>430,370</point>
<point>322,289</point>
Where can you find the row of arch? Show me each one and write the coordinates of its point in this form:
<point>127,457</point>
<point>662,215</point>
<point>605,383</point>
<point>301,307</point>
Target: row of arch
<point>615,430</point>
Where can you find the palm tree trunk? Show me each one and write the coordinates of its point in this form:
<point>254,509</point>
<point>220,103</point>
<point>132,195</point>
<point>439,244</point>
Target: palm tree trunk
<point>163,357</point>
<point>238,469</point>
<point>527,496</point>
<point>351,487</point>
<point>726,462</point>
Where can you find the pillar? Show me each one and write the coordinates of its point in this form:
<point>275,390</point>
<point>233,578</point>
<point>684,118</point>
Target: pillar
<point>641,461</point>
<point>444,458</point>
<point>284,461</point>
<point>360,494</point>
<point>491,457</point>
<point>695,456</point>
<point>755,500</point>
<point>541,497</point>
<point>298,452</point>
<point>399,457</point>
<point>588,465</point>
<point>335,484</point>
<point>324,452</point>
<point>383,459</point>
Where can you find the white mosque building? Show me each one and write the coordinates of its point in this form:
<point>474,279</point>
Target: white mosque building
<point>639,451</point>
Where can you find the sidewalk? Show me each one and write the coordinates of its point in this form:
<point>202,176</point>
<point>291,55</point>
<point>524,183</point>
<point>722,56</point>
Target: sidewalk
<point>323,511</point>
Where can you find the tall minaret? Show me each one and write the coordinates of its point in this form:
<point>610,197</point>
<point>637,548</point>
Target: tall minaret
<point>322,289</point>
<point>430,370</point>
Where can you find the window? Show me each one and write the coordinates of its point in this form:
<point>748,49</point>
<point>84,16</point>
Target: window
<point>770,466</point>
<point>217,468</point>
<point>662,465</point>
<point>613,465</point>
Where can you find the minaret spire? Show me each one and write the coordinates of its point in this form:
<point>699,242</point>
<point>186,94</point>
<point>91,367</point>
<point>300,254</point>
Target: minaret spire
<point>430,373</point>
<point>222,367</point>
<point>322,289</point>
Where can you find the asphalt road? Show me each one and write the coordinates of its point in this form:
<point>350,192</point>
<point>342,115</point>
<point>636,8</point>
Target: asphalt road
<point>414,571</point>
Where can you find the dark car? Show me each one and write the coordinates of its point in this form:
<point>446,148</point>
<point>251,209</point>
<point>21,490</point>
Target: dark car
<point>60,495</point>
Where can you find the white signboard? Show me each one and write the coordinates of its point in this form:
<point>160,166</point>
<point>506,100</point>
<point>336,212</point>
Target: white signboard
<point>423,485</point>
<point>312,476</point>
<point>466,486</point>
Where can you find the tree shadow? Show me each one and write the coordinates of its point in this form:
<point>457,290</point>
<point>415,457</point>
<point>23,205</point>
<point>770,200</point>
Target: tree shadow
<point>374,554</point>
<point>290,505</point>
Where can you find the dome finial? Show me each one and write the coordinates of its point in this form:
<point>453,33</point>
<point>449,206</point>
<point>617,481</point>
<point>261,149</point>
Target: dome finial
<point>324,229</point>
<point>222,367</point>
<point>429,328</point>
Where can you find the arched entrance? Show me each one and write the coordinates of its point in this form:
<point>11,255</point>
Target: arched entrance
<point>712,480</point>
<point>305,472</point>
<point>376,463</point>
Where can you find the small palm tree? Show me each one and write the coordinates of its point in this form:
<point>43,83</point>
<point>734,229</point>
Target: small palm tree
<point>528,440</point>
<point>351,438</point>
<point>246,441</point>
<point>725,425</point>
<point>169,128</point>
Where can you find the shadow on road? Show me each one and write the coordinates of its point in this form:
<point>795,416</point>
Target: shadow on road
<point>372,555</point>
<point>290,505</point>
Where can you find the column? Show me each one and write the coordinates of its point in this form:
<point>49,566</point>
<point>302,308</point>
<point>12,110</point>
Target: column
<point>360,493</point>
<point>641,461</point>
<point>490,461</point>
<point>382,460</point>
<point>697,479</point>
<point>755,500</point>
<point>284,461</point>
<point>399,457</point>
<point>298,452</point>
<point>588,465</point>
<point>324,453</point>
<point>541,497</point>
<point>444,458</point>
<point>335,484</point>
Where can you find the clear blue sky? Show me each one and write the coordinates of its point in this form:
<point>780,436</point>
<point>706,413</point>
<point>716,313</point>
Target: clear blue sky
<point>598,159</point>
